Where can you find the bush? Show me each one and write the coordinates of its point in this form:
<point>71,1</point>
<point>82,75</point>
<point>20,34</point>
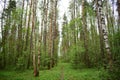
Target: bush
<point>76,56</point>
<point>20,64</point>
<point>115,73</point>
<point>103,74</point>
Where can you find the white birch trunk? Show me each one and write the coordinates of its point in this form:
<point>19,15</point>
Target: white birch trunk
<point>104,32</point>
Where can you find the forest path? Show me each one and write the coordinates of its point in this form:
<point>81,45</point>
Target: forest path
<point>63,71</point>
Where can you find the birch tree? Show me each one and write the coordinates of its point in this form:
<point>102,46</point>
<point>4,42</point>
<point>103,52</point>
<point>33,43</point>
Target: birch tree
<point>101,19</point>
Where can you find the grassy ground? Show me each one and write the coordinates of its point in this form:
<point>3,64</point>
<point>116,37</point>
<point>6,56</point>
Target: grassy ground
<point>62,72</point>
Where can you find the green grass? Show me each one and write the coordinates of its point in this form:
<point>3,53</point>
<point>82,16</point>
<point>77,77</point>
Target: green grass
<point>54,74</point>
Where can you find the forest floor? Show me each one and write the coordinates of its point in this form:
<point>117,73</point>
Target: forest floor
<point>61,72</point>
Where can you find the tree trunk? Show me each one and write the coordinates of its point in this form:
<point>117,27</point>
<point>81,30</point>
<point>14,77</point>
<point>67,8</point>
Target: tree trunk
<point>101,37</point>
<point>20,40</point>
<point>27,46</point>
<point>86,56</point>
<point>3,37</point>
<point>33,36</point>
<point>104,33</point>
<point>118,8</point>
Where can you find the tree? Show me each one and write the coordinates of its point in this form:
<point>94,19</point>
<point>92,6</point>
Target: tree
<point>85,32</point>
<point>100,35</point>
<point>102,24</point>
<point>33,37</point>
<point>55,35</point>
<point>65,35</point>
<point>3,62</point>
<point>27,46</point>
<point>118,8</point>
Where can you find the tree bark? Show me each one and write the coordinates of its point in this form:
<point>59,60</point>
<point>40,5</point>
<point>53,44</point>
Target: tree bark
<point>100,35</point>
<point>27,46</point>
<point>33,36</point>
<point>86,56</point>
<point>118,8</point>
<point>104,33</point>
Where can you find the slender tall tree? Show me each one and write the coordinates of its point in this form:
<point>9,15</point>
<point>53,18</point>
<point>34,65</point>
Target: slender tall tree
<point>100,34</point>
<point>3,36</point>
<point>118,8</point>
<point>101,20</point>
<point>33,37</point>
<point>27,46</point>
<point>20,36</point>
<point>85,32</point>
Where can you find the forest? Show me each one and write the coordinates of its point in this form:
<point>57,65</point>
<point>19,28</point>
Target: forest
<point>59,39</point>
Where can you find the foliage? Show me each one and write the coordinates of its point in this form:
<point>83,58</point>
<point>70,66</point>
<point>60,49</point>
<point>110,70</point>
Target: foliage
<point>75,55</point>
<point>20,64</point>
<point>24,35</point>
<point>115,73</point>
<point>103,74</point>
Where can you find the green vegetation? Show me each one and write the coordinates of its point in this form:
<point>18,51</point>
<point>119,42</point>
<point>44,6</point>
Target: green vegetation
<point>53,74</point>
<point>86,37</point>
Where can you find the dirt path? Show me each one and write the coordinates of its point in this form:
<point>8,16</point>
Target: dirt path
<point>62,73</point>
